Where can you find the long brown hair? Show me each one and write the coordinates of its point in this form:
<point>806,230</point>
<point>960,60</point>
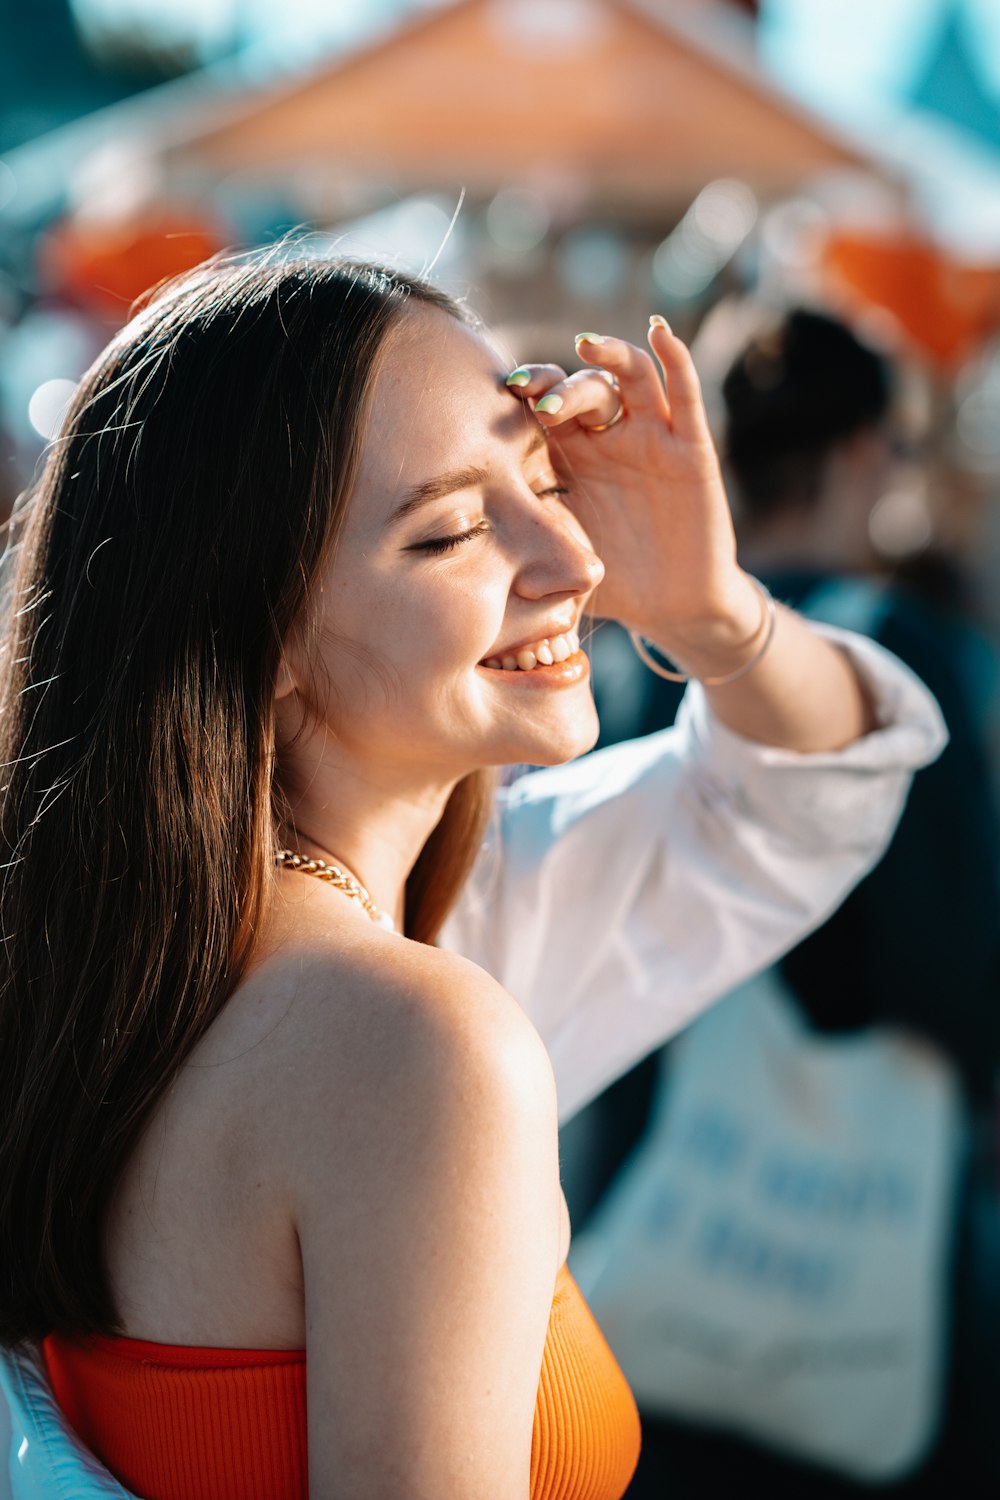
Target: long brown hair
<point>197,487</point>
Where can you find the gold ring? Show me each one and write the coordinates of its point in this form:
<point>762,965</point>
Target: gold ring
<point>603,427</point>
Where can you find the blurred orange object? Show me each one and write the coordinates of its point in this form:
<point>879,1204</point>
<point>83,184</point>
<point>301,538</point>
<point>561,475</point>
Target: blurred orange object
<point>945,307</point>
<point>103,266</point>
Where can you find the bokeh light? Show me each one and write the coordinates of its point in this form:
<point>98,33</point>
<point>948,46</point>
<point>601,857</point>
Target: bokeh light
<point>901,523</point>
<point>714,227</point>
<point>48,406</point>
<point>517,220</point>
<point>594,262</point>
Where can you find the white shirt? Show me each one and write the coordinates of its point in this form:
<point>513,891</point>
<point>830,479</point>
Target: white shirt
<point>618,897</point>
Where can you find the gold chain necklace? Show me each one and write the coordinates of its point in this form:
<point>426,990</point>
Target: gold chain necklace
<point>339,878</point>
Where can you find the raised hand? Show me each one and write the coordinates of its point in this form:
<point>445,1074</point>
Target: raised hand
<point>630,438</point>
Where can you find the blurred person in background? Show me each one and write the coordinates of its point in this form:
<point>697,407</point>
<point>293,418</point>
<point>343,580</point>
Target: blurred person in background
<point>304,566</point>
<point>810,445</point>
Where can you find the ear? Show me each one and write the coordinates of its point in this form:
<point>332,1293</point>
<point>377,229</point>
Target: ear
<point>284,682</point>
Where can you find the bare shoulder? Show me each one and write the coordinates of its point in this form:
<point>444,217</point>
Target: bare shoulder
<point>416,1025</point>
<point>428,1212</point>
<point>411,1130</point>
<point>344,1031</point>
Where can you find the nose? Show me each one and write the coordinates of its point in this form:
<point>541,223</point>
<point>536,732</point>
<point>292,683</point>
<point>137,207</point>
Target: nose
<point>557,556</point>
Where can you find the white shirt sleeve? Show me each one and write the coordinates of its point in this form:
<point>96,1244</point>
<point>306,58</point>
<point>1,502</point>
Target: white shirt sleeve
<point>619,895</point>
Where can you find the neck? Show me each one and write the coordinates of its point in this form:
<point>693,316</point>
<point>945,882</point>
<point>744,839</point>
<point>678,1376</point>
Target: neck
<point>375,829</point>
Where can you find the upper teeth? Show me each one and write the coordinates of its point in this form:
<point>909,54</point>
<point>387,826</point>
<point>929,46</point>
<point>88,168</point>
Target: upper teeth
<point>544,653</point>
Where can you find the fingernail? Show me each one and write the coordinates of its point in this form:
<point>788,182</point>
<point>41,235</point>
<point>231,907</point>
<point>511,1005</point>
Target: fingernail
<point>656,321</point>
<point>520,376</point>
<point>590,338</point>
<point>549,405</point>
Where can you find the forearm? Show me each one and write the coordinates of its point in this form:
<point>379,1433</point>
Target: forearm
<point>802,694</point>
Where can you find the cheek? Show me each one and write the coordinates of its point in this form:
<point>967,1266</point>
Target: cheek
<point>430,624</point>
<point>458,619</point>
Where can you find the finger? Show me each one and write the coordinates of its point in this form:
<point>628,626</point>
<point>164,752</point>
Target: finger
<point>534,380</point>
<point>634,370</point>
<point>684,398</point>
<point>590,398</point>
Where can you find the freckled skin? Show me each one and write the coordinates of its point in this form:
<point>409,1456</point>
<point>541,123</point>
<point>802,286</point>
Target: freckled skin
<point>407,629</point>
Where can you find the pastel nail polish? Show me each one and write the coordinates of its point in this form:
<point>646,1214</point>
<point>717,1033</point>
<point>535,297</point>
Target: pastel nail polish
<point>590,338</point>
<point>656,320</point>
<point>519,377</point>
<point>549,405</point>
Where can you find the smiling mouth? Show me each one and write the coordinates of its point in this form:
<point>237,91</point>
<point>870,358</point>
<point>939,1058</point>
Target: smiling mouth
<point>547,652</point>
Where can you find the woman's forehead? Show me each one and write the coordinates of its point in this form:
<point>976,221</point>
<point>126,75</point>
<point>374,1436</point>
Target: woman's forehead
<point>439,400</point>
<point>430,351</point>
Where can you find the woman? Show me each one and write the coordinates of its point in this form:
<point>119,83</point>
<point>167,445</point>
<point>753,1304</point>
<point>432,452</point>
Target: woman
<point>301,570</point>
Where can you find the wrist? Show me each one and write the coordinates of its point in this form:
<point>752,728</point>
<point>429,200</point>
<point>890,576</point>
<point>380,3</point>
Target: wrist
<point>723,640</point>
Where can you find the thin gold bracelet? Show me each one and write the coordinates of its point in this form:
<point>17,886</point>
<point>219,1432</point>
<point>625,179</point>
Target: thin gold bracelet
<point>769,616</point>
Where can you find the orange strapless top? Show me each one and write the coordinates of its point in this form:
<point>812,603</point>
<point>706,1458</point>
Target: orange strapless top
<point>173,1423</point>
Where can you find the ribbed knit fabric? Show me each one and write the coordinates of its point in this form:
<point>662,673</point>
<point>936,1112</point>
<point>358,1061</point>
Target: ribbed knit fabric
<point>585,1439</point>
<point>176,1423</point>
<point>187,1424</point>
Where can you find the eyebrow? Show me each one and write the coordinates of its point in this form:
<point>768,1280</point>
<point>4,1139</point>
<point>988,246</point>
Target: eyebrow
<point>452,480</point>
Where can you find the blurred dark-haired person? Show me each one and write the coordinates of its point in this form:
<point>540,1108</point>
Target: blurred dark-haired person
<point>811,444</point>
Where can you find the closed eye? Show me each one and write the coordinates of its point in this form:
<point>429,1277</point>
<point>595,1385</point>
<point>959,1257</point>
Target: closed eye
<point>439,545</point>
<point>446,543</point>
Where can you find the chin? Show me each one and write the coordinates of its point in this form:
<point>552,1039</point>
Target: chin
<point>564,742</point>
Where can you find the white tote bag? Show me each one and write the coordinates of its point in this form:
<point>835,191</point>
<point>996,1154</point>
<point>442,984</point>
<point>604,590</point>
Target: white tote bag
<point>773,1259</point>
